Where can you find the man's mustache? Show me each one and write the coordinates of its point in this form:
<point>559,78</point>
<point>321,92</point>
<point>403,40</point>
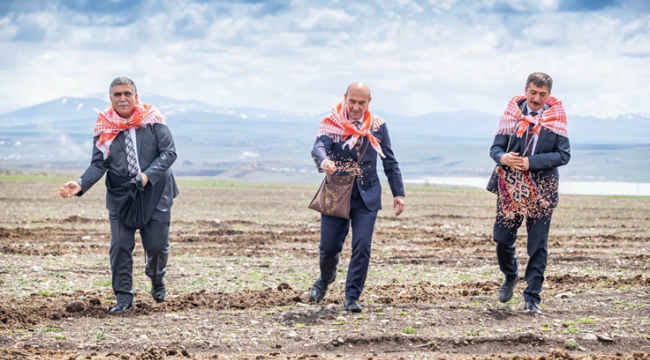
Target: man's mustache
<point>123,103</point>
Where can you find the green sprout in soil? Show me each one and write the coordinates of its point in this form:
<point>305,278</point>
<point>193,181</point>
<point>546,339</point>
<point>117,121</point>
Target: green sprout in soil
<point>98,335</point>
<point>47,293</point>
<point>49,329</point>
<point>474,331</point>
<point>570,344</point>
<point>409,330</point>
<point>572,330</point>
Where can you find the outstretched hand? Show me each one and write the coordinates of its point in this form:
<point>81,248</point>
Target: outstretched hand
<point>398,205</point>
<point>70,189</point>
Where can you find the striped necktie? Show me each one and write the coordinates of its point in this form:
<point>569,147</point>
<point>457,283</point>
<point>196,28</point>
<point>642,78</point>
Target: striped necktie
<point>131,160</point>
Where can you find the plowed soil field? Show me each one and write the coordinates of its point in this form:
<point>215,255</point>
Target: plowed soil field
<point>243,257</point>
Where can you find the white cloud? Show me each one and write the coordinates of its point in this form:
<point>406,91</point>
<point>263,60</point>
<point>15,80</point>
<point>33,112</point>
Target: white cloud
<point>528,5</point>
<point>418,57</point>
<point>323,19</point>
<point>442,5</point>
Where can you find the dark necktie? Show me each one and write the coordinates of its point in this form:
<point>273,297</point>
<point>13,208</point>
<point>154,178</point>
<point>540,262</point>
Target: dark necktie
<point>530,137</point>
<point>360,141</point>
<point>130,154</point>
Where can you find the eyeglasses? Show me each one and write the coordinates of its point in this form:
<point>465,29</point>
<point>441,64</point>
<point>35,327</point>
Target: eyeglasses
<point>119,94</point>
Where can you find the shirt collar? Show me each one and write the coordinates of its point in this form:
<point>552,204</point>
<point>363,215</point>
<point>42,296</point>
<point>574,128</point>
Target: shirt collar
<point>538,111</point>
<point>352,120</point>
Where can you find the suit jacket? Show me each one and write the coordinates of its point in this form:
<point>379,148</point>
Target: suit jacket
<point>156,154</point>
<point>552,151</point>
<point>367,184</point>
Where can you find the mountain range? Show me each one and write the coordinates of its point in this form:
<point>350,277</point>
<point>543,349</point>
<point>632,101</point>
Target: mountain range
<point>224,141</point>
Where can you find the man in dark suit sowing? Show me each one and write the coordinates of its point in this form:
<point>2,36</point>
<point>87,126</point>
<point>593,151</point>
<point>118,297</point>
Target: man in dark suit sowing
<point>134,147</point>
<point>341,138</point>
<point>533,140</point>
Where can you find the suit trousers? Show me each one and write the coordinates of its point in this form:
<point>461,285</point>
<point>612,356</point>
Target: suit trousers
<point>333,232</point>
<point>505,235</point>
<point>155,241</point>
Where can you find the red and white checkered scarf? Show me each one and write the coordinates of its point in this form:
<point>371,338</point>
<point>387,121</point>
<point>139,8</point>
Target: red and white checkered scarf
<point>338,127</point>
<point>513,121</point>
<point>110,123</point>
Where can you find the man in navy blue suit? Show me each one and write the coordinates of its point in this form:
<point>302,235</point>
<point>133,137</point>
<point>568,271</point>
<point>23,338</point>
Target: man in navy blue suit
<point>340,140</point>
<point>532,139</point>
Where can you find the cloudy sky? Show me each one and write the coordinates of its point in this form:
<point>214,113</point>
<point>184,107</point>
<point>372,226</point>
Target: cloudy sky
<point>417,56</point>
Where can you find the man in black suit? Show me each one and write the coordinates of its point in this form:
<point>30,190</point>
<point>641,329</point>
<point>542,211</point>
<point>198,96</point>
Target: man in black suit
<point>133,145</point>
<point>532,139</point>
<point>340,140</point>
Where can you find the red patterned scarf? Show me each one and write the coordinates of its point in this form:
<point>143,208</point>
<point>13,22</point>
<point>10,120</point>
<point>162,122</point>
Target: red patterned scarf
<point>339,128</point>
<point>513,121</point>
<point>110,123</point>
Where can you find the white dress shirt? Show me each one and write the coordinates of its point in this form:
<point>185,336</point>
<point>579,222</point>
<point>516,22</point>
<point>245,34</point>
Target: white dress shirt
<point>535,136</point>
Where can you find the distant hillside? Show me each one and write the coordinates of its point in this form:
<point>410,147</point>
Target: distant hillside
<point>215,140</point>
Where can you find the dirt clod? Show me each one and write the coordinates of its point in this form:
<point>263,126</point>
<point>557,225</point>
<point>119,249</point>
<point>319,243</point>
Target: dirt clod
<point>75,306</point>
<point>95,301</point>
<point>284,286</point>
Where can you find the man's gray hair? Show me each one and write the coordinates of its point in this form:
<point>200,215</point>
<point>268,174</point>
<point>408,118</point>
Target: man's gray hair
<point>122,80</point>
<point>538,79</point>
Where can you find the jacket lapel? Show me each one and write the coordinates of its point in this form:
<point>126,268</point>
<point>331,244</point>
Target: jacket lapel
<point>522,144</point>
<point>354,155</point>
<point>119,139</point>
<point>522,140</point>
<point>542,136</point>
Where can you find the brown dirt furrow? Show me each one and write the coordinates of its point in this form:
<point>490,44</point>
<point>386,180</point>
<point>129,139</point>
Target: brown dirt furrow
<point>54,250</point>
<point>47,234</point>
<point>75,219</point>
<point>37,309</point>
<point>252,248</point>
<point>598,282</point>
<point>175,250</point>
<point>156,353</point>
<point>427,292</point>
<point>266,235</point>
<point>241,237</point>
<point>17,233</point>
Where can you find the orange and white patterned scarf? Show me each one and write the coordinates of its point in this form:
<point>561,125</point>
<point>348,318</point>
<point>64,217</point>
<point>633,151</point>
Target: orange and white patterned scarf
<point>513,121</point>
<point>110,123</point>
<point>339,128</point>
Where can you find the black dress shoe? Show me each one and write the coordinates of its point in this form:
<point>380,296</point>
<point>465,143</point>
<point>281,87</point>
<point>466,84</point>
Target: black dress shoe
<point>319,289</point>
<point>532,307</point>
<point>158,292</point>
<point>352,305</point>
<point>507,289</point>
<point>122,307</point>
